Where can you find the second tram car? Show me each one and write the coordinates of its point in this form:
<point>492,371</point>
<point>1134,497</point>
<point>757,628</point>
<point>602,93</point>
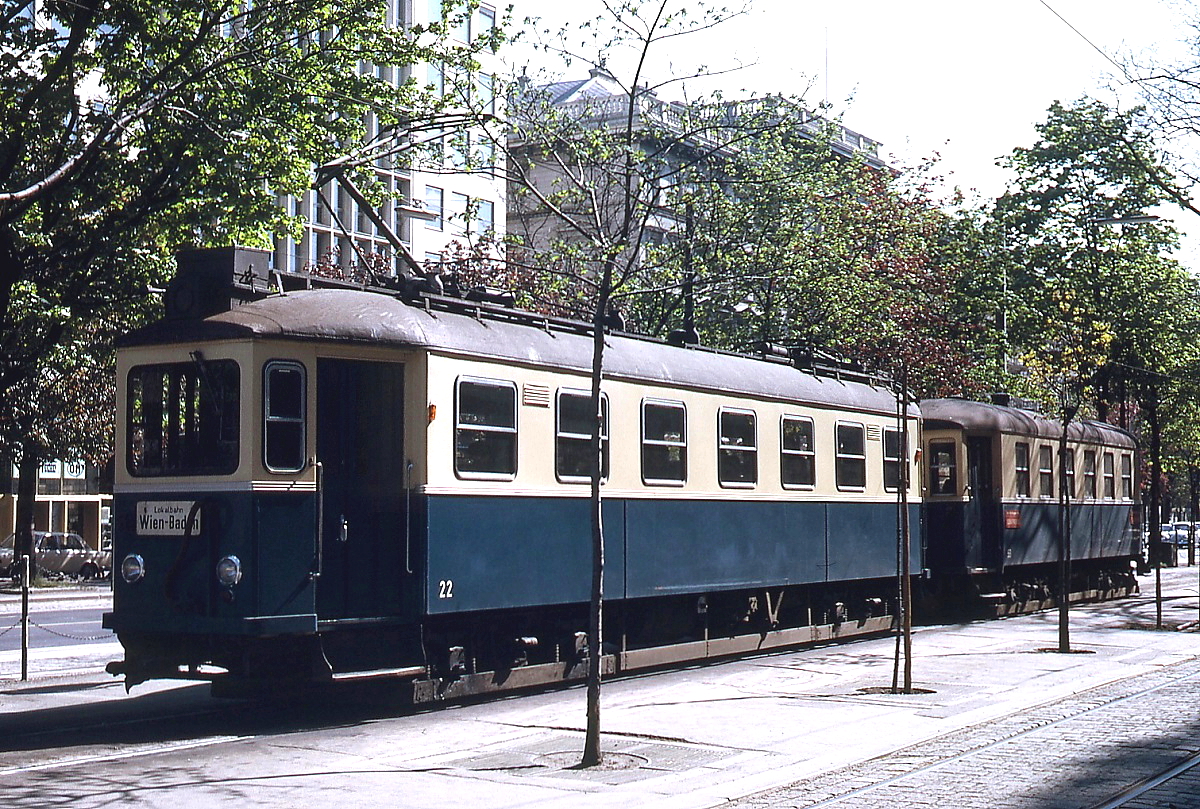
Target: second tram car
<point>993,513</point>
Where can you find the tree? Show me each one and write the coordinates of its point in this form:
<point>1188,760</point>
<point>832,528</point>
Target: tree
<point>129,131</point>
<point>590,183</point>
<point>1098,309</point>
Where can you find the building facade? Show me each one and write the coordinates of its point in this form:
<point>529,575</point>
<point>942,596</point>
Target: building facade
<point>436,207</point>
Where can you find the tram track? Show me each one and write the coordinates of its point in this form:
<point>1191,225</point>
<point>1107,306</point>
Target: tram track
<point>977,748</point>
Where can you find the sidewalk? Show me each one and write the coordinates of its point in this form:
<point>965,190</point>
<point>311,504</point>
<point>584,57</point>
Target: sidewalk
<point>1000,722</point>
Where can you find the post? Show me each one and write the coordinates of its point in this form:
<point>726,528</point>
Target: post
<point>25,570</point>
<point>1064,536</point>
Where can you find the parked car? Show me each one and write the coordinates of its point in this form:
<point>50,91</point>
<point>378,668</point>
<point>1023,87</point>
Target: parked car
<point>56,552</point>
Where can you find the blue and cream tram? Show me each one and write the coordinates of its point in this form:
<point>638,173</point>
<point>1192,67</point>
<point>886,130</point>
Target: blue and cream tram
<point>338,482</point>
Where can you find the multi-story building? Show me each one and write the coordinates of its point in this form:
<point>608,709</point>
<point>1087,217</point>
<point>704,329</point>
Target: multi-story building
<point>435,206</point>
<point>71,497</point>
<point>671,132</point>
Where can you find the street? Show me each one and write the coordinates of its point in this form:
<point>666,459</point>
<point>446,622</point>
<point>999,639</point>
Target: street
<point>999,717</point>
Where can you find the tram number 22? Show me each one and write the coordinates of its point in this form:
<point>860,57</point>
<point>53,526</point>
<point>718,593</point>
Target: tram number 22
<point>446,588</point>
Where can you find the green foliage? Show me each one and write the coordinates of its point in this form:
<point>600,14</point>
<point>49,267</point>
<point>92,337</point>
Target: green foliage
<point>1096,309</point>
<point>131,129</point>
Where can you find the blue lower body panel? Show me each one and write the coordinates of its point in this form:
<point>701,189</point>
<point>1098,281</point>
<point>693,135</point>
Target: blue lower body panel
<point>501,552</point>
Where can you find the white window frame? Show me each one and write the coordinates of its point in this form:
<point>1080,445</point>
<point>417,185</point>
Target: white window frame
<point>559,435</point>
<point>811,454</point>
<point>722,446</point>
<point>682,443</point>
<point>467,474</point>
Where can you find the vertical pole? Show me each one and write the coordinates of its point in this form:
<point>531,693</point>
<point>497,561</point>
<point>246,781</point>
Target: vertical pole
<point>25,569</point>
<point>1064,542</point>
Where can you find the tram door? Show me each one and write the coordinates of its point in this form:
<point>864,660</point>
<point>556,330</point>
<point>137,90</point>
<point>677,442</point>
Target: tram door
<point>360,431</point>
<point>982,526</point>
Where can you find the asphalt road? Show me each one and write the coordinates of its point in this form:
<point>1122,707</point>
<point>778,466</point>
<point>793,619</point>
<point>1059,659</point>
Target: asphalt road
<point>999,722</point>
<point>50,628</point>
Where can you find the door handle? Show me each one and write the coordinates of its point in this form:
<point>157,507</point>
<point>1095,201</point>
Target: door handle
<point>343,530</point>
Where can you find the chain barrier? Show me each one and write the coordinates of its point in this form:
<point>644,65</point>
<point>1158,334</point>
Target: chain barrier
<point>67,635</point>
<point>11,628</point>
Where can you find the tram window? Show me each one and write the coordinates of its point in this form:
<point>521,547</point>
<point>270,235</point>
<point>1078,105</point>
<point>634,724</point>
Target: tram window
<point>664,443</point>
<point>1021,464</point>
<point>485,429</point>
<point>943,467</point>
<point>1045,471</point>
<point>1089,474</point>
<point>1127,477</point>
<point>737,455</point>
<point>798,466</point>
<point>1069,473</point>
<point>1110,483</point>
<point>573,437</point>
<point>850,467</point>
<point>283,416</point>
<point>891,460</point>
<point>182,418</point>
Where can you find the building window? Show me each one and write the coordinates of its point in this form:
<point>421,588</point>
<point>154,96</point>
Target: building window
<point>850,466</point>
<point>797,460</point>
<point>485,429</point>
<point>1045,471</point>
<point>1022,466</point>
<point>664,443</point>
<point>891,460</point>
<point>457,213</point>
<point>284,416</point>
<point>737,455</point>
<point>434,197</point>
<point>573,436</point>
<point>435,79</point>
<point>1127,477</point>
<point>1110,482</point>
<point>485,22</point>
<point>1068,472</point>
<point>485,217</point>
<point>943,468</point>
<point>1089,474</point>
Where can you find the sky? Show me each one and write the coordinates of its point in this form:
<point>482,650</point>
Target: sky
<point>963,79</point>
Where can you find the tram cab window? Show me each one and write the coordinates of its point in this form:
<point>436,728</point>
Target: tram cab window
<point>1127,476</point>
<point>573,436</point>
<point>1089,474</point>
<point>283,416</point>
<point>1021,464</point>
<point>182,418</point>
<point>850,466</point>
<point>798,466</point>
<point>664,443</point>
<point>943,468</point>
<point>485,429</point>
<point>891,460</point>
<point>737,455</point>
<point>1110,483</point>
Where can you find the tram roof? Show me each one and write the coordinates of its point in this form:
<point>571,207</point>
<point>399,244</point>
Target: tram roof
<point>963,414</point>
<point>364,317</point>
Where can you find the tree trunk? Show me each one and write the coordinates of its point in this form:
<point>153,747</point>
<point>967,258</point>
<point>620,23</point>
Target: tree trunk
<point>27,479</point>
<point>591,742</point>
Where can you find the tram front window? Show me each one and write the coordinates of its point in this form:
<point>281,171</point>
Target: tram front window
<point>182,418</point>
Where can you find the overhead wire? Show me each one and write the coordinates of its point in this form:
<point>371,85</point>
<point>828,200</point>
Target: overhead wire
<point>1081,35</point>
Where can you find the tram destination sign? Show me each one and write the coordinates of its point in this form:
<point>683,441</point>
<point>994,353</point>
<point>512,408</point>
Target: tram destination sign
<point>166,517</point>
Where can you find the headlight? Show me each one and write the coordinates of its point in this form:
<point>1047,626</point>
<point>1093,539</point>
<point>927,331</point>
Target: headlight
<point>133,568</point>
<point>229,571</point>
